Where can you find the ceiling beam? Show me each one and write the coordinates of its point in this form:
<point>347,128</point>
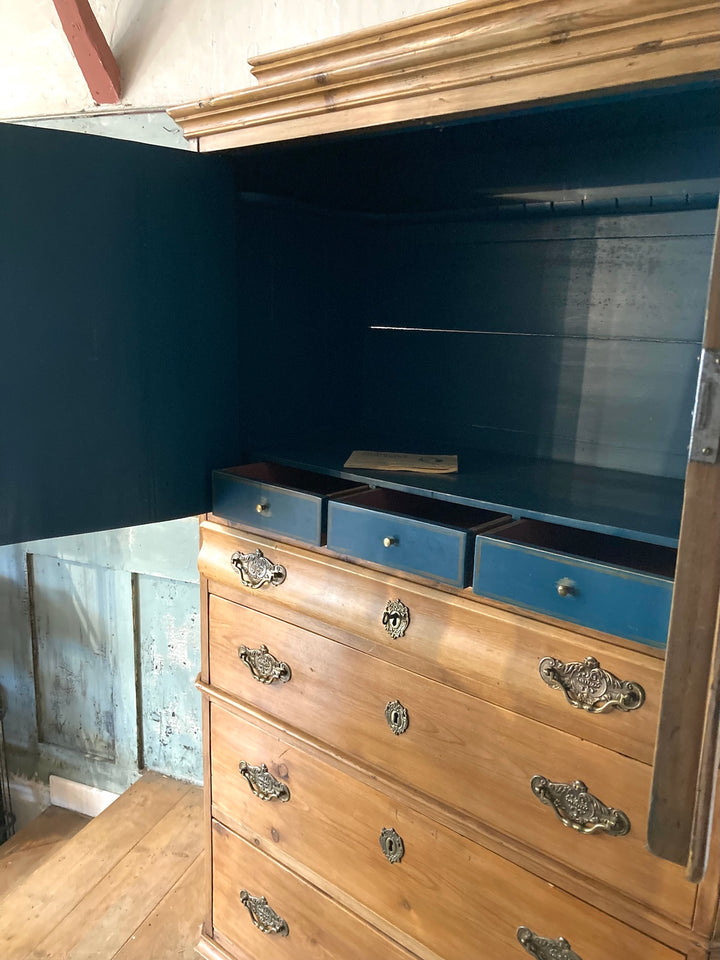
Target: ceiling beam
<point>94,56</point>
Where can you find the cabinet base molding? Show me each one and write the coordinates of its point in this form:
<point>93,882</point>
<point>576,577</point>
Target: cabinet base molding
<point>209,950</point>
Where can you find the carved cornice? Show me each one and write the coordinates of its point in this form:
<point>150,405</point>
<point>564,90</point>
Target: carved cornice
<point>463,60</point>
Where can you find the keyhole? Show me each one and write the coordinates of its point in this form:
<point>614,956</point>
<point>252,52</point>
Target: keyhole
<point>391,846</point>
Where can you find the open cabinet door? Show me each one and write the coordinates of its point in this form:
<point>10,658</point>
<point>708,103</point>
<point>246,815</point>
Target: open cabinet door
<point>686,755</point>
<point>120,335</point>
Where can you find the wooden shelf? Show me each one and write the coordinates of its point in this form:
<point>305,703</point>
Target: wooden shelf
<point>615,502</point>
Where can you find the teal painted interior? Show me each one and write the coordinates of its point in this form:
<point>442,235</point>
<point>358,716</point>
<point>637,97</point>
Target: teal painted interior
<point>194,309</point>
<point>185,319</point>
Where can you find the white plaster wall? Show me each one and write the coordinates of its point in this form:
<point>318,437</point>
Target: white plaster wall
<point>169,51</point>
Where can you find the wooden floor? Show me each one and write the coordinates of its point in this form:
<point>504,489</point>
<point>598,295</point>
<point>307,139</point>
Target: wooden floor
<point>124,886</point>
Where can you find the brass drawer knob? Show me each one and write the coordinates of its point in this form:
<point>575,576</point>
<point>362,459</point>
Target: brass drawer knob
<point>566,588</point>
<point>397,717</point>
<point>543,949</point>
<point>390,541</point>
<point>264,667</point>
<point>578,809</point>
<point>263,916</point>
<point>255,570</point>
<point>396,618</point>
<point>263,784</point>
<point>262,507</point>
<point>392,845</point>
<point>588,687</point>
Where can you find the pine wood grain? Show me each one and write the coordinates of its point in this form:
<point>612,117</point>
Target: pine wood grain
<point>320,929</point>
<point>439,906</point>
<point>36,906</point>
<point>686,756</point>
<point>172,930</point>
<point>459,750</point>
<point>453,638</point>
<point>98,925</point>
<point>35,843</point>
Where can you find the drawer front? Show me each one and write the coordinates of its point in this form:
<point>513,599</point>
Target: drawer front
<point>448,893</point>
<point>492,654</point>
<point>462,751</point>
<point>270,508</point>
<point>401,543</point>
<point>316,928</point>
<point>606,598</point>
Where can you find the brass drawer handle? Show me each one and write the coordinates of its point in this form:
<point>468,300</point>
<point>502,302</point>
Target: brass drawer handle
<point>578,809</point>
<point>264,667</point>
<point>397,717</point>
<point>588,687</point>
<point>263,784</point>
<point>390,541</point>
<point>255,570</point>
<point>263,915</point>
<point>566,588</point>
<point>543,949</point>
<point>396,618</point>
<point>392,845</point>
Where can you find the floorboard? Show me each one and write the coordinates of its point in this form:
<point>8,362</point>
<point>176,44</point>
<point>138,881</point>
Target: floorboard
<point>35,843</point>
<point>129,880</point>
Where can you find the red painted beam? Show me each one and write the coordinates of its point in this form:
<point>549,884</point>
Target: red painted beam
<point>94,56</point>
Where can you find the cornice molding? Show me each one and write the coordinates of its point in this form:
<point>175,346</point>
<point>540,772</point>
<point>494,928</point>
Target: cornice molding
<point>463,60</point>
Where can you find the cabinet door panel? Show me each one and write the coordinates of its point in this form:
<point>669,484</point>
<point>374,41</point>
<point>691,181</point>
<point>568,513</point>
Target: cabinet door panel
<point>118,266</point>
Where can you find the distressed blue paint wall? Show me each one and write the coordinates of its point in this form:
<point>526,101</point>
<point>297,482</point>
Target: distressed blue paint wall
<point>99,650</point>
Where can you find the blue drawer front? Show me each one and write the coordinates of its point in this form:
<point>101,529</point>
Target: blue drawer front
<point>290,513</point>
<point>610,599</point>
<point>425,549</point>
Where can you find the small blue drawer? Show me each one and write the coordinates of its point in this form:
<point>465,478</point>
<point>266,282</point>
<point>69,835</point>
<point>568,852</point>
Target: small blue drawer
<point>606,583</point>
<point>401,531</point>
<point>277,500</point>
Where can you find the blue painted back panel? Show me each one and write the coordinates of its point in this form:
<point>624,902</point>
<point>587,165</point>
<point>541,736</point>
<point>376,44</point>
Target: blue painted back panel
<point>572,339</point>
<point>606,598</point>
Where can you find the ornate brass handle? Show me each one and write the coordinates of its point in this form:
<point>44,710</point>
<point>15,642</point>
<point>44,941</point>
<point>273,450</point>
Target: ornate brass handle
<point>577,808</point>
<point>588,687</point>
<point>263,784</point>
<point>396,618</point>
<point>255,570</point>
<point>543,949</point>
<point>264,667</point>
<point>263,915</point>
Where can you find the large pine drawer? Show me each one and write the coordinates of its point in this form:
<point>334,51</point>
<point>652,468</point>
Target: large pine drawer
<point>489,653</point>
<point>461,751</point>
<point>317,928</point>
<point>446,892</point>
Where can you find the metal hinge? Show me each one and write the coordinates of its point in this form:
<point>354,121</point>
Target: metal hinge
<point>705,436</point>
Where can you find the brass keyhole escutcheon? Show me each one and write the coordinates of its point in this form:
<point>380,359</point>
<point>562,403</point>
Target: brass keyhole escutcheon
<point>397,717</point>
<point>392,845</point>
<point>396,618</point>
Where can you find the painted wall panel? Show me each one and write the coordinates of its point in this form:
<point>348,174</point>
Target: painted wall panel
<point>106,614</point>
<point>169,640</point>
<point>80,638</point>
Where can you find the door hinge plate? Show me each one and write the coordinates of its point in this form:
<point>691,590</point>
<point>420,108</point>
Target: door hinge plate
<point>705,436</point>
